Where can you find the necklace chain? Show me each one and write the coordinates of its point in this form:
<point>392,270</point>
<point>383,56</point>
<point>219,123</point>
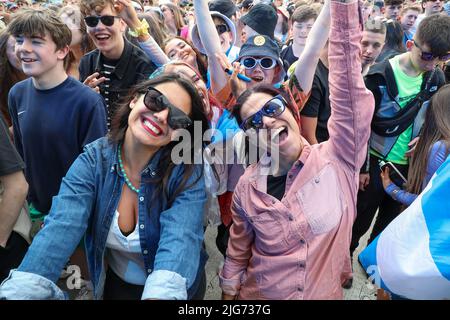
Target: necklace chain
<point>122,169</point>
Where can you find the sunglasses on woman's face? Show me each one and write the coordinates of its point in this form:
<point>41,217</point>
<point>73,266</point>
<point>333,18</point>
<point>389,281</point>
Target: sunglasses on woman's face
<point>222,28</point>
<point>272,108</point>
<point>265,63</point>
<point>428,56</point>
<point>155,101</point>
<point>92,21</point>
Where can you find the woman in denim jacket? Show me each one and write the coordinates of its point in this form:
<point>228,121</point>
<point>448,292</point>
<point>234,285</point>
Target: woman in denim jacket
<point>141,212</point>
<point>292,222</point>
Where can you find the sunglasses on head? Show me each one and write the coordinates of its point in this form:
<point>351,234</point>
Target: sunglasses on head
<point>272,108</point>
<point>155,101</point>
<point>222,28</point>
<point>265,63</point>
<point>428,56</point>
<point>92,21</point>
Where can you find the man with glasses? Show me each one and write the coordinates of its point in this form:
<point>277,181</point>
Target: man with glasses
<point>116,64</point>
<point>402,87</point>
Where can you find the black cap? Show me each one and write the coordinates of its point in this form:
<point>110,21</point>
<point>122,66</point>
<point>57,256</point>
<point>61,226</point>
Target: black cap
<point>262,18</point>
<point>246,4</point>
<point>225,7</point>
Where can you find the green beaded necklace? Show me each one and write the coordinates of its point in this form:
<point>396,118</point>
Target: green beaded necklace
<point>122,169</point>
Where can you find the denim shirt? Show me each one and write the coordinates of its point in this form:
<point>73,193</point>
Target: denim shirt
<point>171,237</point>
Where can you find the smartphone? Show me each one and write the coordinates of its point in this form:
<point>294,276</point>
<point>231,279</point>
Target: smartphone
<point>394,173</point>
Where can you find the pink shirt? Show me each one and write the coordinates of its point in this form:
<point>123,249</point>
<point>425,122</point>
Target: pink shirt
<point>298,248</point>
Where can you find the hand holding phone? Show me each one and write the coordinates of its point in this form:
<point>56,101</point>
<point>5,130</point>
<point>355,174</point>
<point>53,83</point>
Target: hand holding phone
<point>394,174</point>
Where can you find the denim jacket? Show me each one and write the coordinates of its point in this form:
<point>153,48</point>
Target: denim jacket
<point>171,237</point>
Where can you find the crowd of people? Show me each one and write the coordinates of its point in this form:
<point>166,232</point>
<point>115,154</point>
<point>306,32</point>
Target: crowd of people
<point>128,127</point>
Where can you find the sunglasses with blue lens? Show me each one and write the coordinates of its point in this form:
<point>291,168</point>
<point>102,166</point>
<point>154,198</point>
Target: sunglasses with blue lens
<point>272,108</point>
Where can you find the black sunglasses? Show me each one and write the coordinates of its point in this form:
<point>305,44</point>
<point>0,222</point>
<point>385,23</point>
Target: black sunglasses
<point>222,28</point>
<point>92,21</point>
<point>155,101</point>
<point>272,108</point>
<point>428,56</point>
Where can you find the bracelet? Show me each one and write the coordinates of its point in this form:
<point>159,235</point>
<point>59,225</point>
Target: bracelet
<point>142,30</point>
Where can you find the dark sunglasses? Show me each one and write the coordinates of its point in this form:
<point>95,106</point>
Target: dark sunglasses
<point>265,63</point>
<point>155,101</point>
<point>428,56</point>
<point>272,108</point>
<point>92,21</point>
<point>222,28</point>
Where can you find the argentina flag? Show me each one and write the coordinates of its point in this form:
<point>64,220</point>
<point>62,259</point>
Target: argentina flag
<point>411,257</point>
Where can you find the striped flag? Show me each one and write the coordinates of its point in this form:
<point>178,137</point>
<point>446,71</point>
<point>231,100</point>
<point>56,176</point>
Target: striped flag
<point>411,257</point>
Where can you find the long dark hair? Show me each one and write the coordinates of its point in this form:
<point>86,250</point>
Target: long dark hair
<point>9,76</point>
<point>165,165</point>
<point>201,59</point>
<point>435,128</point>
<point>394,37</point>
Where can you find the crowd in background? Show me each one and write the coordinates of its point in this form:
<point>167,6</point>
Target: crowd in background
<point>95,94</point>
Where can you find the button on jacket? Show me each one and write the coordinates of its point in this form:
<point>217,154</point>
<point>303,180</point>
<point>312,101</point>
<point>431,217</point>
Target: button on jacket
<point>298,248</point>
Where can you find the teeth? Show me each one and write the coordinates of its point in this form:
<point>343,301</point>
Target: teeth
<point>276,132</point>
<point>151,127</point>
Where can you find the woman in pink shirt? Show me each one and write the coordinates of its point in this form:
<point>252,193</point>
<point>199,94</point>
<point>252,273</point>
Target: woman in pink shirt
<point>292,227</point>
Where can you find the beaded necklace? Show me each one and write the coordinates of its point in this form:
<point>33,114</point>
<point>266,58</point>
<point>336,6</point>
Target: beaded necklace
<point>122,169</point>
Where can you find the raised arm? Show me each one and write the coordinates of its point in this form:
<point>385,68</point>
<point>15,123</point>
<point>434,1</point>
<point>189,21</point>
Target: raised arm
<point>145,40</point>
<point>352,105</point>
<point>317,38</point>
<point>211,43</point>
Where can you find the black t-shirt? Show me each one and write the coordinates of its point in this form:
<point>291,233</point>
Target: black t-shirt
<point>318,105</point>
<point>288,58</point>
<point>276,186</point>
<point>10,160</point>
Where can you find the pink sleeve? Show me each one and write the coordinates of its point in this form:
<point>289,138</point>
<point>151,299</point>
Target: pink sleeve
<point>184,33</point>
<point>352,104</point>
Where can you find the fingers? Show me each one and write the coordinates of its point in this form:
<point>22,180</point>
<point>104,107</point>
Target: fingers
<point>413,142</point>
<point>236,69</point>
<point>223,60</point>
<point>93,82</point>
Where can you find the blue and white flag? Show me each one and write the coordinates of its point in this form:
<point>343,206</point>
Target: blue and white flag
<point>411,257</point>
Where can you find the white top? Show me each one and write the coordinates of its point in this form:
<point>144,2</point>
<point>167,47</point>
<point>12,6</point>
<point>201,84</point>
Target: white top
<point>124,254</point>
